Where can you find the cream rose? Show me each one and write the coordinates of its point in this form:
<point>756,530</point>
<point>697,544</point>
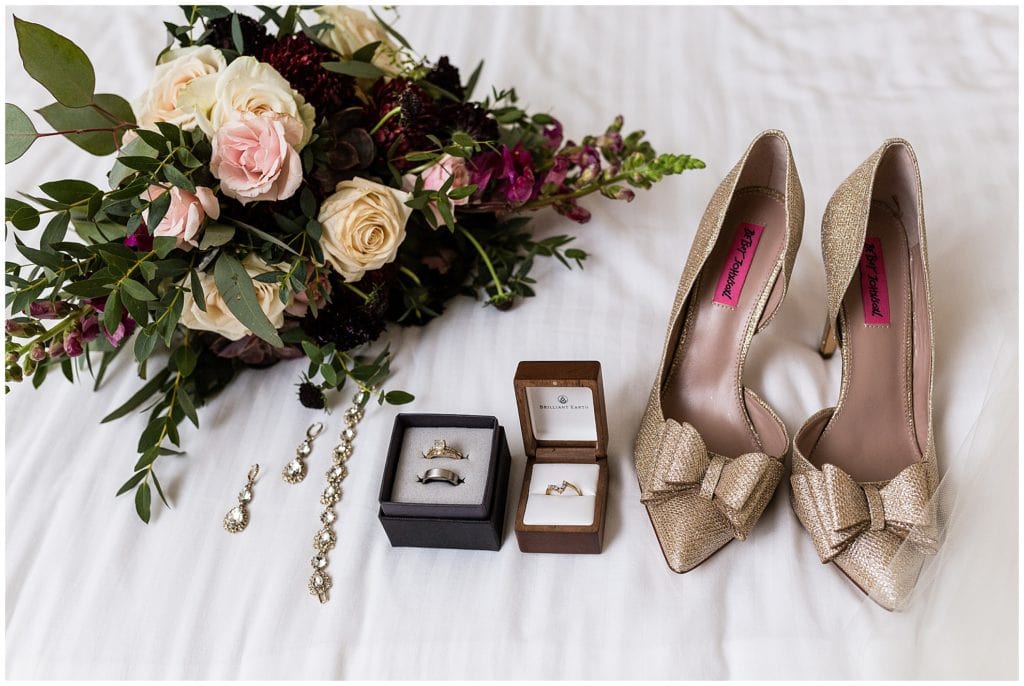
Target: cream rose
<point>177,70</point>
<point>351,30</point>
<point>363,225</point>
<point>254,160</point>
<point>186,214</point>
<point>218,318</point>
<point>248,86</point>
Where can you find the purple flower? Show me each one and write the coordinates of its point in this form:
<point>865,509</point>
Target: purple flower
<point>254,351</point>
<point>15,328</point>
<point>556,175</point>
<point>570,209</point>
<point>90,329</point>
<point>48,309</point>
<point>123,330</point>
<point>73,342</point>
<point>511,170</point>
<point>140,240</point>
<point>553,134</point>
<point>56,349</point>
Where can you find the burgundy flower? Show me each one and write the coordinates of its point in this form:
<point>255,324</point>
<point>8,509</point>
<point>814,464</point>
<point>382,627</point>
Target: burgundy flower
<point>48,309</point>
<point>472,119</point>
<point>37,353</point>
<point>511,170</point>
<point>298,59</point>
<point>90,328</point>
<point>553,134</point>
<point>573,211</point>
<point>446,75</point>
<point>254,35</point>
<point>16,328</point>
<point>140,239</point>
<point>123,330</point>
<point>408,130</point>
<point>253,351</point>
<point>556,175</point>
<point>56,349</point>
<point>73,342</point>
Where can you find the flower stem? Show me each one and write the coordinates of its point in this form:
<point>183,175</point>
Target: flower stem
<point>385,118</point>
<point>487,261</point>
<point>411,274</point>
<point>358,292</point>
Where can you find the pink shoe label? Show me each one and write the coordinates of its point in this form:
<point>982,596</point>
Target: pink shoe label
<point>737,264</point>
<point>874,289</point>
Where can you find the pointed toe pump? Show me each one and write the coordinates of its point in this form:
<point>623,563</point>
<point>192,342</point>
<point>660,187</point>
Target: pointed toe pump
<point>864,472</point>
<point>709,452</point>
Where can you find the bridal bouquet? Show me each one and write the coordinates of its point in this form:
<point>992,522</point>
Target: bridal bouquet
<point>284,188</point>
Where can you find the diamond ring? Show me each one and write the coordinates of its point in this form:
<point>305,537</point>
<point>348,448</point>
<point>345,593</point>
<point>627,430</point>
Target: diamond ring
<point>560,490</point>
<point>442,449</point>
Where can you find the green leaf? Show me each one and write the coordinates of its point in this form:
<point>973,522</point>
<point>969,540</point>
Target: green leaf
<point>359,70</point>
<point>68,191</point>
<point>55,62</point>
<point>197,290</point>
<point>147,458</point>
<point>398,398</point>
<point>330,376</point>
<point>143,498</point>
<point>22,215</point>
<point>186,404</point>
<point>156,482</point>
<point>312,352</point>
<point>71,119</point>
<point>235,286</point>
<point>236,34</point>
<point>137,290</point>
<point>131,483</point>
<point>308,203</point>
<point>185,360</point>
<point>144,345</point>
<point>140,397</point>
<point>178,179</point>
<point>157,209</point>
<point>136,149</point>
<point>216,234</point>
<point>112,312</point>
<point>55,231</point>
<point>19,133</point>
<point>163,245</point>
<point>471,83</point>
<point>462,192</point>
<point>39,257</point>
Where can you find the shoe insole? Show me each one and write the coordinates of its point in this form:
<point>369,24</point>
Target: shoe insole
<point>703,387</point>
<point>871,434</point>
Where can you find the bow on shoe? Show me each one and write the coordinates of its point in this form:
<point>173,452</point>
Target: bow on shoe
<point>845,509</point>
<point>739,487</point>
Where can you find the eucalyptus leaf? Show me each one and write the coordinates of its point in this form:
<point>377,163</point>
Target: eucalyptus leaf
<point>139,397</point>
<point>20,214</point>
<point>74,120</point>
<point>55,62</point>
<point>216,234</point>
<point>359,70</point>
<point>143,499</point>
<point>236,289</point>
<point>131,483</point>
<point>19,133</point>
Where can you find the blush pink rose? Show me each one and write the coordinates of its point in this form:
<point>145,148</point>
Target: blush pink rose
<point>436,175</point>
<point>254,160</point>
<point>186,214</point>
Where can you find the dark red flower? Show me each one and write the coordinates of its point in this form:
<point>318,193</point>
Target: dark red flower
<point>407,130</point>
<point>254,35</point>
<point>511,171</point>
<point>446,76</point>
<point>298,59</point>
<point>140,239</point>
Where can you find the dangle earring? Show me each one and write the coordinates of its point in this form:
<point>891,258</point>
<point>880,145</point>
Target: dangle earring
<point>237,517</point>
<point>295,471</point>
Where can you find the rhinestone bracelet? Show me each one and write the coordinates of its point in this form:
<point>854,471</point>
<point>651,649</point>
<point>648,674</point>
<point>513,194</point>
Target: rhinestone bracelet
<point>325,539</point>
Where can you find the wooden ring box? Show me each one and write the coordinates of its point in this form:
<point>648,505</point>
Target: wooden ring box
<point>563,418</point>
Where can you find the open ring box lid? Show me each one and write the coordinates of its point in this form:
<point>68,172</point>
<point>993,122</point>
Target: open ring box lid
<point>563,418</point>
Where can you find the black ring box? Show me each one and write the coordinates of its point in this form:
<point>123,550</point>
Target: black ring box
<point>432,525</point>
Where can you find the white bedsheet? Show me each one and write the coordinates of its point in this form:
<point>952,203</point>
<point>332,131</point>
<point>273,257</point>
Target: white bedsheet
<point>91,592</point>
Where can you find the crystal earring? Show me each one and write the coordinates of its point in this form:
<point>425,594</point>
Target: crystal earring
<point>295,471</point>
<point>237,517</point>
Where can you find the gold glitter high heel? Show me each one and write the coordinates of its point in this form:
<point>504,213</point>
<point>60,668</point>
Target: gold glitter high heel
<point>709,451</point>
<point>864,472</point>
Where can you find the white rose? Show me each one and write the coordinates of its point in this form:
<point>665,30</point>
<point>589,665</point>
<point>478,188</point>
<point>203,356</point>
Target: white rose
<point>177,69</point>
<point>218,318</point>
<point>248,86</point>
<point>351,30</point>
<point>363,225</point>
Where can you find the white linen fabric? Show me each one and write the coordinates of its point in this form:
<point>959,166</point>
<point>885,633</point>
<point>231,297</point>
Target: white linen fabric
<point>91,592</point>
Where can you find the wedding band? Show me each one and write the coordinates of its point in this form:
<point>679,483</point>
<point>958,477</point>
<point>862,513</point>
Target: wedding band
<point>442,449</point>
<point>560,490</point>
<point>439,474</point>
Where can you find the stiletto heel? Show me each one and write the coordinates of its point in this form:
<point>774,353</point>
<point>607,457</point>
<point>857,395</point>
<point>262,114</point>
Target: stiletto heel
<point>709,451</point>
<point>829,342</point>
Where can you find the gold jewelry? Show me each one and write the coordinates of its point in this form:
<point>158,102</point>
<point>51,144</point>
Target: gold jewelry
<point>439,474</point>
<point>442,449</point>
<point>295,471</point>
<point>325,539</point>
<point>237,517</point>
<point>560,490</point>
